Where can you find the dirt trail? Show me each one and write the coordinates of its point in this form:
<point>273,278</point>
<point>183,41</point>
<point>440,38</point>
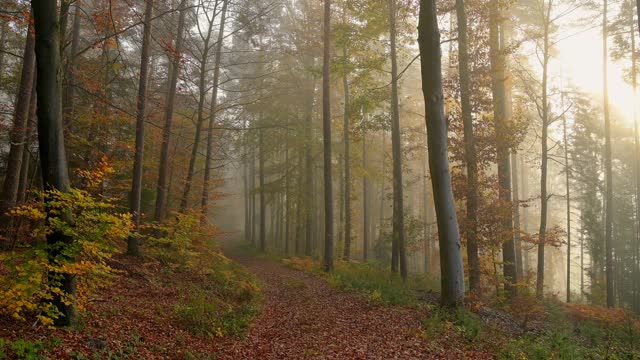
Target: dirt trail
<point>303,317</point>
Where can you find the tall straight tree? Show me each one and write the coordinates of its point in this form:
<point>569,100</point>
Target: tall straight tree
<point>53,160</point>
<point>326,139</point>
<point>399,255</point>
<point>500,114</point>
<point>18,137</point>
<point>608,225</point>
<point>346,139</point>
<point>212,117</point>
<point>469,148</point>
<point>451,267</point>
<point>163,168</point>
<point>365,193</point>
<point>141,108</point>
<point>202,94</point>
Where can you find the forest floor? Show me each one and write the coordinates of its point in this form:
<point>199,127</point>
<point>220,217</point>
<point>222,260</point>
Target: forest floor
<point>304,317</point>
<point>267,308</point>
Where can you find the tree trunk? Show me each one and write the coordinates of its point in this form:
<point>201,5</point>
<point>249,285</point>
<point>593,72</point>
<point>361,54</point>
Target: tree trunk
<point>326,138</point>
<point>501,129</point>
<point>202,86</point>
<point>568,195</point>
<point>18,138</point>
<point>263,205</point>
<point>451,267</point>
<point>365,195</point>
<point>26,156</point>
<point>212,117</point>
<point>136,187</point>
<point>607,163</point>
<point>516,215</point>
<point>347,160</point>
<point>543,158</point>
<point>287,201</point>
<point>55,174</point>
<point>161,188</point>
<point>398,207</point>
<point>636,138</point>
<point>469,149</point>
<point>72,67</point>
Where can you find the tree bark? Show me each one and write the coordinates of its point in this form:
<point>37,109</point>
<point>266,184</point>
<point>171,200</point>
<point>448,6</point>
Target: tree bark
<point>263,205</point>
<point>607,163</point>
<point>212,117</point>
<point>161,187</point>
<point>72,68</point>
<point>136,187</point>
<point>451,267</point>
<point>469,149</point>
<point>202,86</point>
<point>398,206</point>
<point>365,195</point>
<point>544,156</point>
<point>53,160</point>
<point>501,130</point>
<point>326,138</point>
<point>18,138</point>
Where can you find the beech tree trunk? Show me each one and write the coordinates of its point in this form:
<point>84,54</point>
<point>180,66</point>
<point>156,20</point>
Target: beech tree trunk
<point>365,195</point>
<point>161,188</point>
<point>326,139</point>
<point>53,160</point>
<point>399,257</point>
<point>607,163</point>
<point>136,187</point>
<point>212,117</point>
<point>469,149</point>
<point>72,67</point>
<point>9,196</point>
<point>451,267</point>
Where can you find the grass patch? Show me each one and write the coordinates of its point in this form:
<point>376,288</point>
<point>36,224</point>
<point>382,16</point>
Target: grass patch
<point>566,336</point>
<point>378,283</point>
<point>459,321</point>
<point>224,303</point>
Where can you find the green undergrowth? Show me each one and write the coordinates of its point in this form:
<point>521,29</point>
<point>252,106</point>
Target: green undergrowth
<point>564,336</point>
<point>224,303</point>
<point>378,283</point>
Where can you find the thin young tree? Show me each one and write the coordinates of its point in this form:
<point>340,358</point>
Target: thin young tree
<point>451,266</point>
<point>469,148</point>
<point>163,168</point>
<point>608,225</point>
<point>326,132</point>
<point>213,113</point>
<point>141,108</point>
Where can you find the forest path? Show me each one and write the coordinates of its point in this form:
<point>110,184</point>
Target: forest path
<point>303,317</point>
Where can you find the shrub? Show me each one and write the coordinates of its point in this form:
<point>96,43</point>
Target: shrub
<point>94,228</point>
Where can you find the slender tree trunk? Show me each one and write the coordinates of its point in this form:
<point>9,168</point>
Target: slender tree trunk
<point>287,201</point>
<point>365,195</point>
<point>347,160</point>
<point>398,207</point>
<point>607,163</point>
<point>55,174</point>
<point>451,267</point>
<point>161,187</point>
<point>381,226</point>
<point>636,138</point>
<point>3,39</point>
<point>516,214</point>
<point>326,127</point>
<point>544,157</point>
<point>72,68</point>
<point>26,156</point>
<point>469,149</point>
<point>202,86</point>
<point>212,117</point>
<point>568,195</point>
<point>425,210</point>
<point>252,184</point>
<point>308,160</point>
<point>136,187</point>
<point>9,196</point>
<point>263,205</point>
<point>501,127</point>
